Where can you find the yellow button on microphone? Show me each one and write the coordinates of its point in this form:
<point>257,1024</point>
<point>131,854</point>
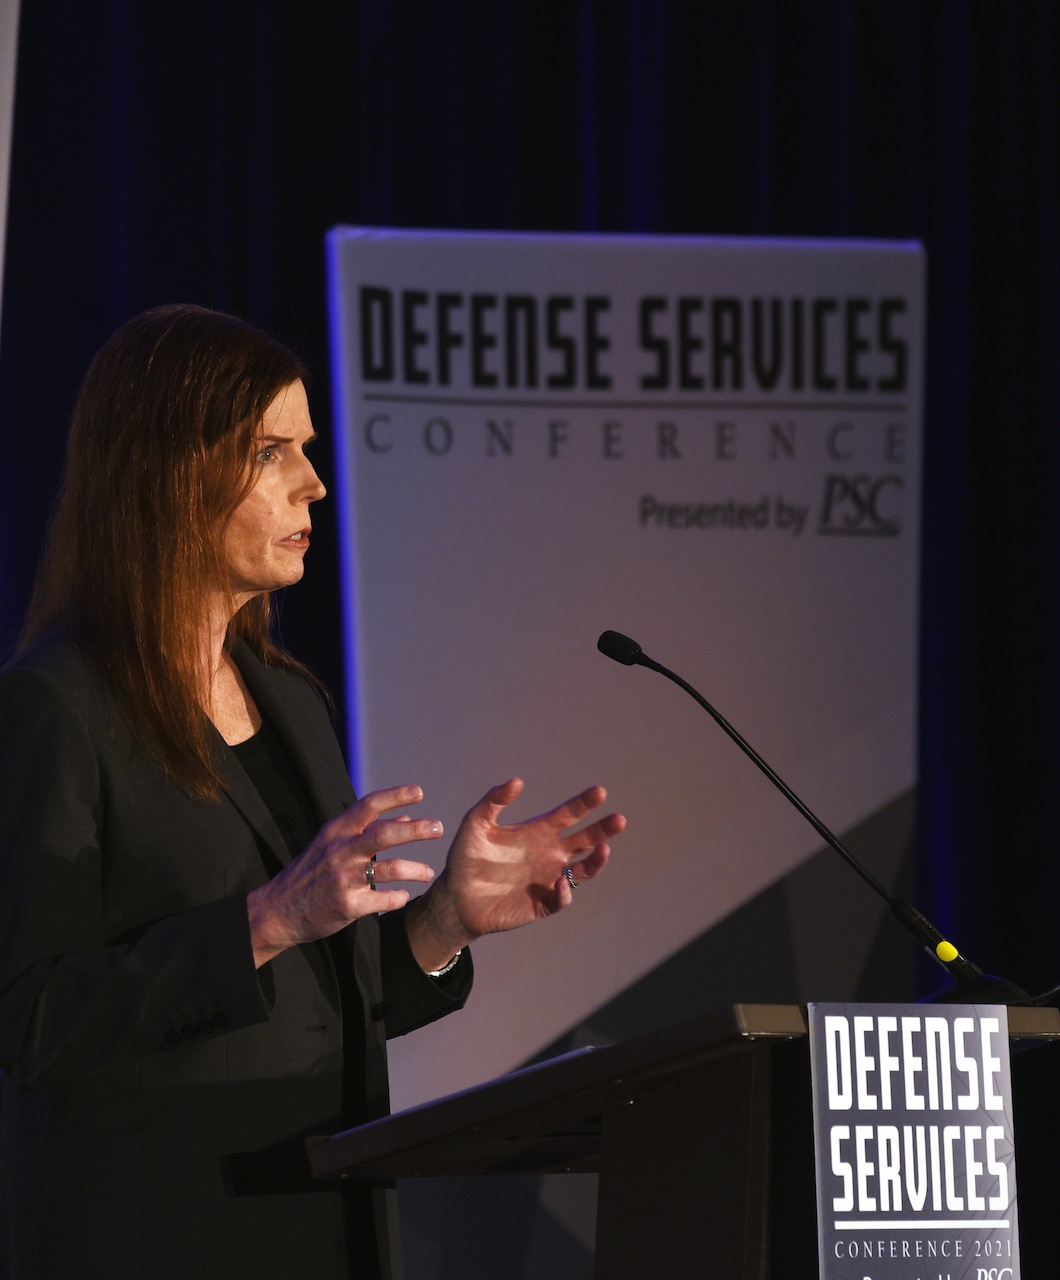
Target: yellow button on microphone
<point>946,951</point>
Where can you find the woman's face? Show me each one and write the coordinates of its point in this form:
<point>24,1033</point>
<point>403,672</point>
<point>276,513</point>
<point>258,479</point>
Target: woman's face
<point>268,534</point>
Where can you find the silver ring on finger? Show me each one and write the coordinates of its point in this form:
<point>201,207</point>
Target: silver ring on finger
<point>369,873</point>
<point>568,875</point>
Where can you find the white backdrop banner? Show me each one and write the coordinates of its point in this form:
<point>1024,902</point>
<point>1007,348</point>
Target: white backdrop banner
<point>710,445</point>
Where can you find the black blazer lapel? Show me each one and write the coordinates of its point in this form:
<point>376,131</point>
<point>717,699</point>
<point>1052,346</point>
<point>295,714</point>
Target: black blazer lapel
<point>299,715</point>
<point>288,703</point>
<point>245,796</point>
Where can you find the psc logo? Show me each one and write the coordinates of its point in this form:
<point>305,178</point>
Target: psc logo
<point>993,1273</point>
<point>860,506</point>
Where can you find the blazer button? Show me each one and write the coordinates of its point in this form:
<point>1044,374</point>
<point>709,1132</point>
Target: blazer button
<point>378,1011</point>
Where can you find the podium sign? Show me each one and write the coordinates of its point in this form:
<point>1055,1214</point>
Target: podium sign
<point>914,1143</point>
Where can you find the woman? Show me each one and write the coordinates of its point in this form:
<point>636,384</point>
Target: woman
<point>203,944</point>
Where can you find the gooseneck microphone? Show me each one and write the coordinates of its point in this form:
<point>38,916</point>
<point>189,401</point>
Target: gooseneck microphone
<point>972,985</point>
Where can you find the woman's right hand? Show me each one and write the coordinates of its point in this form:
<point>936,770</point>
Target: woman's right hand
<point>326,887</point>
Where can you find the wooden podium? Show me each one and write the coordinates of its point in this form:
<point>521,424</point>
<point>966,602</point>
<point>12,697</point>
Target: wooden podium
<point>701,1135</point>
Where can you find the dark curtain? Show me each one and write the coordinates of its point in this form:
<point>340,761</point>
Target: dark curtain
<point>200,151</point>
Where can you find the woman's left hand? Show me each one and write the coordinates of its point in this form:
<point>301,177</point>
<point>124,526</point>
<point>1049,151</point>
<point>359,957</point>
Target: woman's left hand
<point>499,876</point>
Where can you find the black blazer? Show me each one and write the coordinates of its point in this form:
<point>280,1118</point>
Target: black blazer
<point>156,1087</point>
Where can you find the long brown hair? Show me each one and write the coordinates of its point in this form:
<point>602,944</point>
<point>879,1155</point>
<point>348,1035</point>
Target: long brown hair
<point>159,456</point>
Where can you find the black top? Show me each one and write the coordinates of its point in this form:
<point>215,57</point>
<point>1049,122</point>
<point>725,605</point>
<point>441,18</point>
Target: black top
<point>280,784</point>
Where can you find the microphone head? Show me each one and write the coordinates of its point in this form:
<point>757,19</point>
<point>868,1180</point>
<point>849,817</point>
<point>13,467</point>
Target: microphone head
<point>613,644</point>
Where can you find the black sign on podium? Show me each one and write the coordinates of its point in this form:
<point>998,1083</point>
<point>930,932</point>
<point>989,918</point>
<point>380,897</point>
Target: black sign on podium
<point>702,1136</point>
